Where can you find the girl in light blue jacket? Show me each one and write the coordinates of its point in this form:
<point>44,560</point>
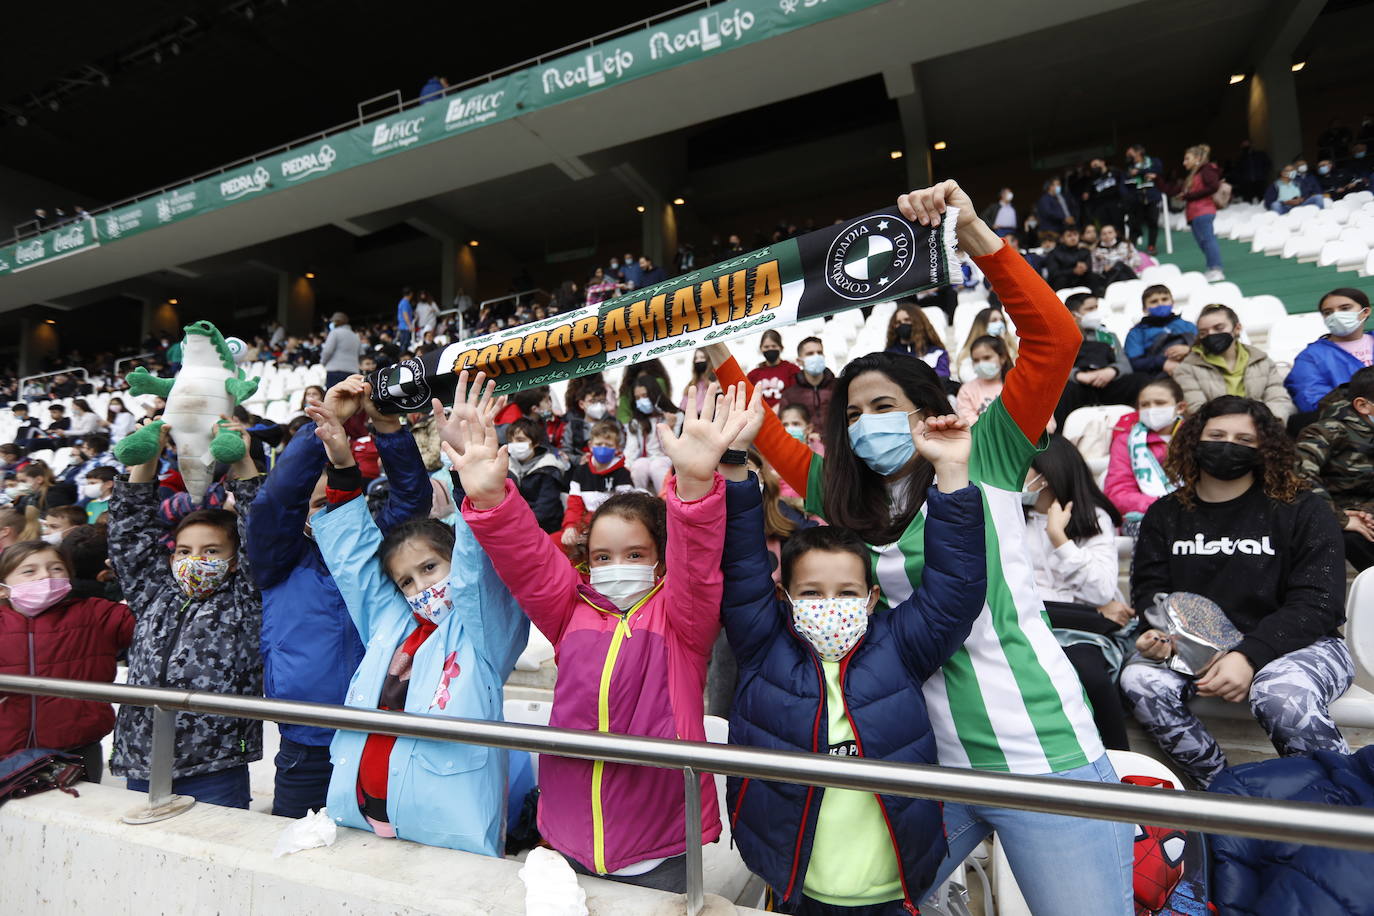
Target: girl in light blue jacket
<point>442,634</point>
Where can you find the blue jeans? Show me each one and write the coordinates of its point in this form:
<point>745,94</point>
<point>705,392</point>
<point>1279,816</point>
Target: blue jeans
<point>403,339</point>
<point>1061,864</point>
<point>1207,239</point>
<point>226,788</point>
<point>1315,200</point>
<point>302,783</point>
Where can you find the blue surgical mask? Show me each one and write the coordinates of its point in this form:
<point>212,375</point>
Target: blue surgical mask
<point>603,454</point>
<point>644,405</point>
<point>1323,170</point>
<point>883,441</point>
<point>1359,154</point>
<point>997,328</point>
<point>1161,311</point>
<point>814,364</point>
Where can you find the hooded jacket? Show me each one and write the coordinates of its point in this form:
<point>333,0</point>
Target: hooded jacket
<point>209,643</point>
<point>780,700</point>
<point>310,647</point>
<point>1271,877</point>
<point>76,638</point>
<point>440,793</point>
<point>636,672</point>
<point>1203,380</point>
<point>1319,368</point>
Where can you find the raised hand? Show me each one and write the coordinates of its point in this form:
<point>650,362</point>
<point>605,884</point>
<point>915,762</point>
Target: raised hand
<point>381,422</point>
<point>329,430</point>
<point>481,462</point>
<point>945,442</point>
<point>927,206</point>
<point>705,437</point>
<point>471,404</point>
<point>755,413</point>
<point>346,397</point>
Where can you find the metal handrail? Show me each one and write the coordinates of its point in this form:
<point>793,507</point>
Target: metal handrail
<point>73,370</point>
<point>359,121</point>
<point>1292,822</point>
<point>516,296</point>
<point>128,359</point>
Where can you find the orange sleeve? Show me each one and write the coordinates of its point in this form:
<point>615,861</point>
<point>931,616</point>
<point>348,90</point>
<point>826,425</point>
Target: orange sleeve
<point>1048,340</point>
<point>789,457</point>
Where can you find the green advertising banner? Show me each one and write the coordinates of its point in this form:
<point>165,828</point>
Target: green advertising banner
<point>683,39</point>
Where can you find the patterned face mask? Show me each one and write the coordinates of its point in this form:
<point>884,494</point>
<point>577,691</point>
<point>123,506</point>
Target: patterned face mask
<point>200,577</point>
<point>432,604</point>
<point>833,626</point>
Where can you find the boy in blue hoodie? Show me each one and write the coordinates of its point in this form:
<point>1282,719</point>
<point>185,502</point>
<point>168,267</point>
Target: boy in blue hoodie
<point>818,673</point>
<point>310,647</point>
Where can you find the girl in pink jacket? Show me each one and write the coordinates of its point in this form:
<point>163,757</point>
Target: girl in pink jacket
<point>631,647</point>
<point>1140,444</point>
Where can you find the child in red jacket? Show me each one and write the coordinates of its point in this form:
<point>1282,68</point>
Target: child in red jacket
<point>46,632</point>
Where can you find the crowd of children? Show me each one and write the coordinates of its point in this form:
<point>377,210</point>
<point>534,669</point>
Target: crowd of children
<point>906,562</point>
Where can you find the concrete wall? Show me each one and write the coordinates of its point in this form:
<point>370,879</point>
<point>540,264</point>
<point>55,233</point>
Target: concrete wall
<point>67,855</point>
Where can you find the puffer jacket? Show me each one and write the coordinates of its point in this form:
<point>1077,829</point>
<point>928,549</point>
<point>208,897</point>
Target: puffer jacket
<point>77,638</point>
<point>210,643</point>
<point>780,700</point>
<point>1203,381</point>
<point>310,647</point>
<point>1271,878</point>
<point>638,672</point>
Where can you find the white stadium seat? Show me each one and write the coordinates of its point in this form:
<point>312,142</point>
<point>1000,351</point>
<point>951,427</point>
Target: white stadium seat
<point>1291,333</point>
<point>1343,255</point>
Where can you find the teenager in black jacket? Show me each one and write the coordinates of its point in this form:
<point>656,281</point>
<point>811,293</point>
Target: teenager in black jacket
<point>1239,531</point>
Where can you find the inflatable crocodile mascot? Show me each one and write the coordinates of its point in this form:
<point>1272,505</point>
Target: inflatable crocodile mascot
<point>204,391</point>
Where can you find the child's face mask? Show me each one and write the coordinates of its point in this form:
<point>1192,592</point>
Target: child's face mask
<point>624,583</point>
<point>200,577</point>
<point>34,597</point>
<point>833,626</point>
<point>432,604</point>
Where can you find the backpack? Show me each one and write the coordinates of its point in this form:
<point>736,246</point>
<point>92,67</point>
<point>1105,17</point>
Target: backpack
<point>1222,197</point>
<point>38,769</point>
<point>1171,874</point>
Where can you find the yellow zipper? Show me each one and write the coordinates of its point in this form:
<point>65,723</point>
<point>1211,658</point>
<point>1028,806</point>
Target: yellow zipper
<point>603,722</point>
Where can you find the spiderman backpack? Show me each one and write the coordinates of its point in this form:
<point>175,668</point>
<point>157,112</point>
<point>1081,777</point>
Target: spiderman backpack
<point>1170,866</point>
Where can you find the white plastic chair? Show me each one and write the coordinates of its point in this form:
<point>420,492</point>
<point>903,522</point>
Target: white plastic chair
<point>1270,239</point>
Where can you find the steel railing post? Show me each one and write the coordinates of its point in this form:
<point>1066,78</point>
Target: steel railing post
<point>696,885</point>
<point>162,802</point>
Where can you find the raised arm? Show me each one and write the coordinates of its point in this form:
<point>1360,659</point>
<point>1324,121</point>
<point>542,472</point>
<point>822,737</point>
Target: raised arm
<point>136,550</point>
<point>276,525</point>
<point>789,457</point>
<point>1048,335</point>
<point>500,518</point>
<point>749,606</point>
<point>696,510</point>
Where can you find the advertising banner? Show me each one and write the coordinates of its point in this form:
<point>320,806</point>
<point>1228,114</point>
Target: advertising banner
<point>683,39</point>
<point>871,259</point>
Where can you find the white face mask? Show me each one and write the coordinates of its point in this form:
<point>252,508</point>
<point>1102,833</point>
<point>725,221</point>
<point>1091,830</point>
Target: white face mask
<point>987,369</point>
<point>1158,418</point>
<point>596,410</point>
<point>520,451</point>
<point>53,537</point>
<point>1090,321</point>
<point>814,364</point>
<point>1343,323</point>
<point>833,626</point>
<point>92,490</point>
<point>625,583</point>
